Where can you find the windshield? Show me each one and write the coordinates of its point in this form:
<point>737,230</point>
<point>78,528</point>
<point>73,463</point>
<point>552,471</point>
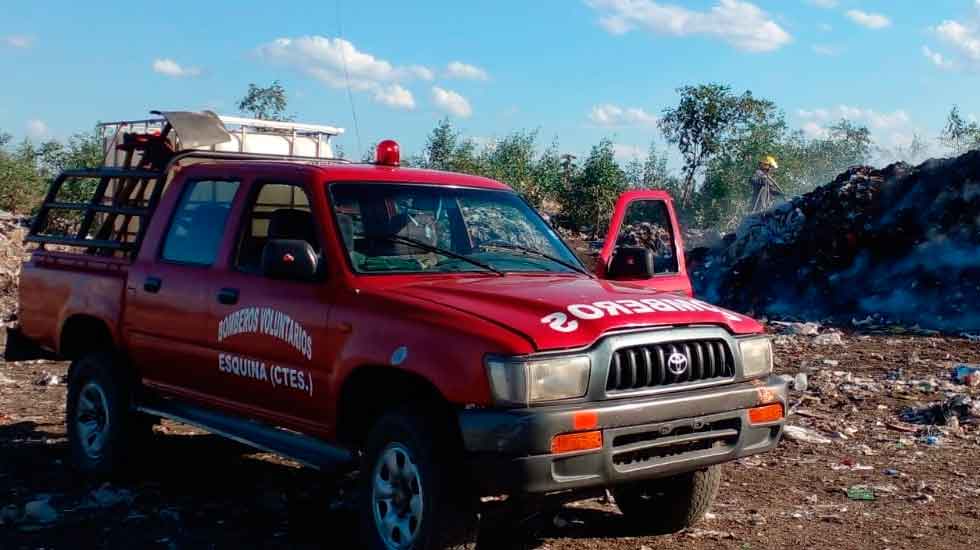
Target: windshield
<point>416,228</point>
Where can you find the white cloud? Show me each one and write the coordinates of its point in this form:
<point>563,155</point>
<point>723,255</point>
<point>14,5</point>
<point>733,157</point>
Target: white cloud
<point>623,151</point>
<point>963,38</point>
<point>826,49</point>
<point>937,58</point>
<point>451,102</point>
<point>884,125</point>
<point>19,41</point>
<point>37,128</point>
<point>423,73</point>
<point>610,116</point>
<point>825,4</point>
<point>169,67</point>
<point>395,96</point>
<point>741,24</point>
<point>870,20</point>
<point>815,130</point>
<point>458,69</point>
<point>337,63</point>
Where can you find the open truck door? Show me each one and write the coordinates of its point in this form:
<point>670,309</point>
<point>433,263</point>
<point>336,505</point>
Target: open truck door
<point>644,244</point>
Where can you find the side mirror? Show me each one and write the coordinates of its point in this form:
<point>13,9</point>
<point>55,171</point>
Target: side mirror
<point>632,262</point>
<point>290,259</point>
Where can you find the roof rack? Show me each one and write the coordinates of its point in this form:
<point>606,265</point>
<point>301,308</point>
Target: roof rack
<point>107,210</point>
<point>212,132</point>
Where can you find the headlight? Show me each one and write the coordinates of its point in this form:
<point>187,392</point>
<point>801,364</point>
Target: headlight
<point>756,356</point>
<point>526,381</point>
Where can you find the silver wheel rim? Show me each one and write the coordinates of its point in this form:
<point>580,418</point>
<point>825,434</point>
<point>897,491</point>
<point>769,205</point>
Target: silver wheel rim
<point>396,497</point>
<point>92,419</point>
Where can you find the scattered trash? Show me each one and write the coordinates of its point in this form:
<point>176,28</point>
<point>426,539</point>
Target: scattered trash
<point>961,407</point>
<point>9,514</point>
<point>39,511</point>
<point>968,375</point>
<point>107,497</point>
<point>891,472</point>
<point>860,492</point>
<point>47,379</point>
<point>798,383</point>
<point>931,440</point>
<point>804,329</point>
<point>803,435</point>
<point>696,533</point>
<point>828,339</point>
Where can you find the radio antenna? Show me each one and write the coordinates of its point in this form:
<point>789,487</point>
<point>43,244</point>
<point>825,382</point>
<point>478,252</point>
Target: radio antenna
<point>350,94</point>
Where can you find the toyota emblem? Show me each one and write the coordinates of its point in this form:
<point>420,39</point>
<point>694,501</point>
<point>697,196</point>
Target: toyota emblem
<point>677,363</point>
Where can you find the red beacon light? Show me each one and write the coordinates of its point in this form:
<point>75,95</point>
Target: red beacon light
<point>388,153</point>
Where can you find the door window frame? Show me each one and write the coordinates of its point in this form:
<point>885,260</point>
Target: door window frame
<point>187,187</point>
<point>244,213</point>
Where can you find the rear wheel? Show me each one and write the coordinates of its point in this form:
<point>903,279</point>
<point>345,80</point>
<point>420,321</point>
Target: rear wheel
<point>103,431</point>
<point>414,493</point>
<point>668,505</point>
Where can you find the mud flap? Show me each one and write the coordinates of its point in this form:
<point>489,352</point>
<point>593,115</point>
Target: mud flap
<point>21,348</point>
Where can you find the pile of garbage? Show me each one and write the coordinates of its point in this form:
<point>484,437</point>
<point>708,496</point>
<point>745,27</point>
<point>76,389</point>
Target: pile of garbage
<point>12,231</point>
<point>899,245</point>
<point>647,235</point>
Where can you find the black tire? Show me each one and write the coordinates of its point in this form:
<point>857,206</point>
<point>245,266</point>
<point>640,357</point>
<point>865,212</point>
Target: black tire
<point>449,517</point>
<point>668,505</point>
<point>103,429</point>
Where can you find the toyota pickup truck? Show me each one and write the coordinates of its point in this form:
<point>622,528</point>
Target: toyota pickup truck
<point>427,330</point>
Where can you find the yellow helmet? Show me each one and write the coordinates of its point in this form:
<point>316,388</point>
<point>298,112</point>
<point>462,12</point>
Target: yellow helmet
<point>770,161</point>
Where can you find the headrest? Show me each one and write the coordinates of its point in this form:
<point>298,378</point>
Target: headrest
<point>287,223</point>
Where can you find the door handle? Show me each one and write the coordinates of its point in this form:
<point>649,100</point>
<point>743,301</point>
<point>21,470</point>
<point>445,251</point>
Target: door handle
<point>228,296</point>
<point>152,284</point>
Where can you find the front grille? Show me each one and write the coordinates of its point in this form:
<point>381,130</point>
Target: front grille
<point>646,367</point>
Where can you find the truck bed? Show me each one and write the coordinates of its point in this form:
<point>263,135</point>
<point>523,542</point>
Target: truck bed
<point>55,286</point>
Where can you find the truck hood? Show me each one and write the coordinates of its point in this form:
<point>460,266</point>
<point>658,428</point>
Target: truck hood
<point>559,312</point>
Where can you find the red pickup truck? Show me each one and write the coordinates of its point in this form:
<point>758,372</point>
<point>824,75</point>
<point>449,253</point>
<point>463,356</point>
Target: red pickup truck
<point>428,329</point>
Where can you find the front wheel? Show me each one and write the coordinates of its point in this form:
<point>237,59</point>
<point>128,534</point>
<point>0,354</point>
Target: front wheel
<point>668,505</point>
<point>414,494</point>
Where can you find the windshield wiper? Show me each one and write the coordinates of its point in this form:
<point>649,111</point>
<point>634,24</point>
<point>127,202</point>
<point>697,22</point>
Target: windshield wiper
<point>429,248</point>
<point>538,253</point>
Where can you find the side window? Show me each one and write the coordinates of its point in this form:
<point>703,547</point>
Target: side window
<point>199,222</point>
<point>647,224</point>
<point>277,211</point>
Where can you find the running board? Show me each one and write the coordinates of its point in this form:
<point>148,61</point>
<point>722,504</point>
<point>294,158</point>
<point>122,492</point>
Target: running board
<point>301,448</point>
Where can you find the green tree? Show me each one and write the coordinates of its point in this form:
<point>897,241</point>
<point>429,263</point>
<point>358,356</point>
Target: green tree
<point>548,172</point>
<point>20,184</point>
<point>703,124</point>
<point>590,199</point>
<point>512,161</point>
<point>265,103</point>
<point>446,149</point>
<point>959,135</point>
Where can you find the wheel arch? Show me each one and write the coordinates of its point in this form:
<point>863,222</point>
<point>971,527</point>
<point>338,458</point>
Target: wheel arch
<point>81,334</point>
<point>370,391</point>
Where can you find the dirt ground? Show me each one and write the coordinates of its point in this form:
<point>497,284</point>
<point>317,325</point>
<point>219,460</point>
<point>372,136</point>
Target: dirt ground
<point>194,490</point>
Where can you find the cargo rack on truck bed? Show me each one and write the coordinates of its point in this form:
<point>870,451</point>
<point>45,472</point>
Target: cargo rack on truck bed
<point>106,210</point>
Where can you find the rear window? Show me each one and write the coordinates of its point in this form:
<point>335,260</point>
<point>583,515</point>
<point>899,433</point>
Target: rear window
<point>199,222</point>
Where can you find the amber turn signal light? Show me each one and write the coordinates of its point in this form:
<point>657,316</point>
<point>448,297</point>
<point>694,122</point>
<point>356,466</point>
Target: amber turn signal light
<point>766,414</point>
<point>580,441</point>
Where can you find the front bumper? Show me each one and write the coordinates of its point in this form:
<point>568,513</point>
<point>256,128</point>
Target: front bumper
<point>643,438</point>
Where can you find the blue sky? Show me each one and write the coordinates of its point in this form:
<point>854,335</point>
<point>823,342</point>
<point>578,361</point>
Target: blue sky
<point>575,69</point>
